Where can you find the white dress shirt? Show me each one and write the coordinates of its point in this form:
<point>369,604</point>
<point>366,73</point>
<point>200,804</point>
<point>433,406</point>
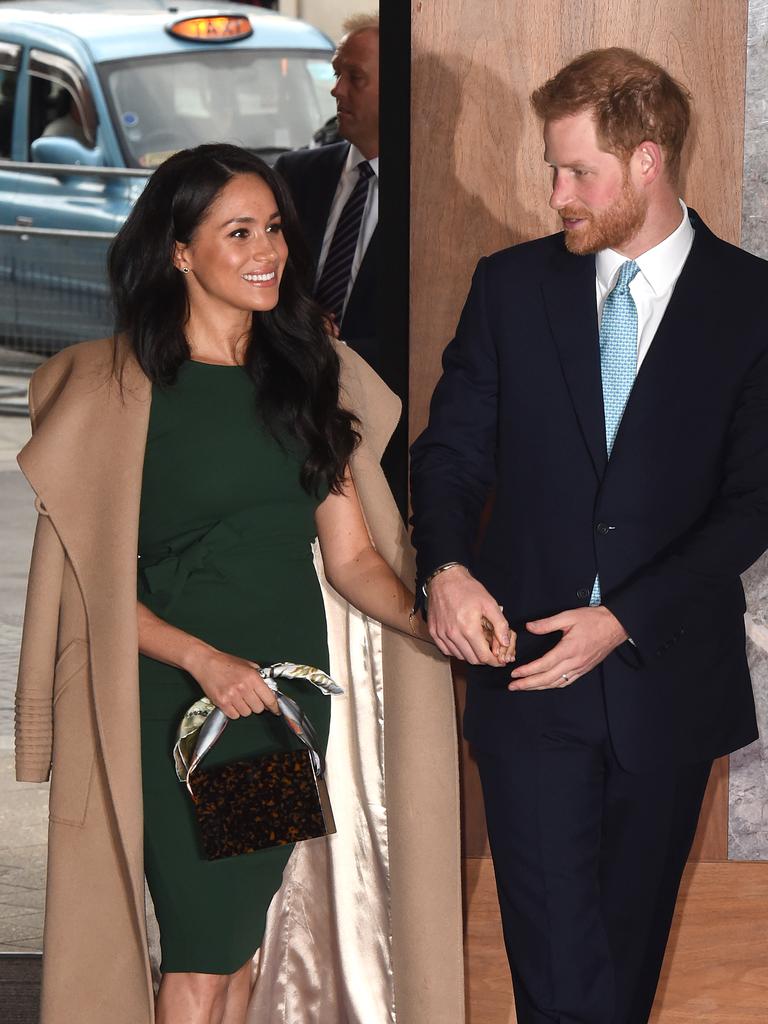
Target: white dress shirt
<point>652,288</point>
<point>347,181</point>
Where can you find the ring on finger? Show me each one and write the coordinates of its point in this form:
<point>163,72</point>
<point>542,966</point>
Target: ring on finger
<point>566,677</point>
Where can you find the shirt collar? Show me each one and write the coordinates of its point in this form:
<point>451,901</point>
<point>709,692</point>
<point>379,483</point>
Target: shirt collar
<point>355,157</point>
<point>660,266</point>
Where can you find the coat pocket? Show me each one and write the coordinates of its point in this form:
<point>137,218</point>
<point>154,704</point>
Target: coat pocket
<point>73,746</point>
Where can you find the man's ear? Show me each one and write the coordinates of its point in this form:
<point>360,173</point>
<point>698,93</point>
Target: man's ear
<point>647,162</point>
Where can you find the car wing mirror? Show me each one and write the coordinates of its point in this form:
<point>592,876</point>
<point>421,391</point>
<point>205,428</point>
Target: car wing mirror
<point>63,151</point>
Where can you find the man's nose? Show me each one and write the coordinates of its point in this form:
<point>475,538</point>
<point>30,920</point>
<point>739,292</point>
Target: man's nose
<point>560,192</point>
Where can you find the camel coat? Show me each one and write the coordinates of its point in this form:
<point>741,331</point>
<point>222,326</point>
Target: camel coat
<point>77,708</point>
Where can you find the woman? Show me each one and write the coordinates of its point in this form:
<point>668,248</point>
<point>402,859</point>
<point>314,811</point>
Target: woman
<point>220,409</point>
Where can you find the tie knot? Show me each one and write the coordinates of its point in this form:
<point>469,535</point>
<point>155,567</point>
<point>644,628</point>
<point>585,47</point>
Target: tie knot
<point>365,170</point>
<point>629,270</point>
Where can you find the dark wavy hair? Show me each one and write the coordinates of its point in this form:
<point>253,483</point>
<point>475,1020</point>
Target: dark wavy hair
<point>289,355</point>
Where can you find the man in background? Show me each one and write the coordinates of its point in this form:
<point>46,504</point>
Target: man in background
<point>610,383</point>
<point>336,191</point>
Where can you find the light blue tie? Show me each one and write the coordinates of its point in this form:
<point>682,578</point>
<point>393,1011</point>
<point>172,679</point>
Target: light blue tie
<point>618,361</point>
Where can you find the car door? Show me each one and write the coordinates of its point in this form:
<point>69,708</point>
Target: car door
<point>61,290</point>
<point>10,60</point>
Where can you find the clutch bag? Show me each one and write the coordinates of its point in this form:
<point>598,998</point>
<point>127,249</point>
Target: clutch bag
<point>254,803</point>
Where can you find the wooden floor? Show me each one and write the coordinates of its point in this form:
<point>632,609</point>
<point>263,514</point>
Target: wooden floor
<point>715,971</point>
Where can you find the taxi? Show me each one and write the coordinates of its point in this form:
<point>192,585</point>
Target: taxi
<point>93,96</point>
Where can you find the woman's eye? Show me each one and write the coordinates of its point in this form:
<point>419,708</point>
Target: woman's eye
<point>274,228</point>
<point>239,233</point>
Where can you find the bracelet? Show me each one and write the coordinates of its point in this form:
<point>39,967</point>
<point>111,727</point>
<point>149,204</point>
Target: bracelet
<point>438,570</point>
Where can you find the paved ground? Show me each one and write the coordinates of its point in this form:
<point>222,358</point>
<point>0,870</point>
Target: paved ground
<point>23,807</point>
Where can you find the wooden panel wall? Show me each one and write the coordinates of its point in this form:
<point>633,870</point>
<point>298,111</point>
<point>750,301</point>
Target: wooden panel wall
<point>479,183</point>
<point>715,970</point>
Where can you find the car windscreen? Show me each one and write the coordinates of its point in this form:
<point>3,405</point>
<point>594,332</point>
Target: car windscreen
<point>267,101</point>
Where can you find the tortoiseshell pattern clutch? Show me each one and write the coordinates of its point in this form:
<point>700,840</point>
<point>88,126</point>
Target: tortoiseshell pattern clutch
<point>270,800</point>
<point>250,805</point>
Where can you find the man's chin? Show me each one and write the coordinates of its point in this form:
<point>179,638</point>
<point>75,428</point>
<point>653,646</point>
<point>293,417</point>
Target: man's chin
<point>579,242</point>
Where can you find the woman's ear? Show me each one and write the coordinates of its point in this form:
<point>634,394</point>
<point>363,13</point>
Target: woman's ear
<point>180,257</point>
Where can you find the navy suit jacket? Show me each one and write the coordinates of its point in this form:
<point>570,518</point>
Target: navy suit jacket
<point>312,176</point>
<point>670,522</point>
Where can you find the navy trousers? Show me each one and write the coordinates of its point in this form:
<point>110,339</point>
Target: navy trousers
<point>588,859</point>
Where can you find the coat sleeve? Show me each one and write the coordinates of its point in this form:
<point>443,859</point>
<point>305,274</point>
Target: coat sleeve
<point>453,463</point>
<point>37,662</point>
<point>34,691</point>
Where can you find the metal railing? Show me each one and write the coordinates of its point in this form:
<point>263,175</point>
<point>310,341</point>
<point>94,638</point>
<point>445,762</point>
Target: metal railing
<point>53,288</point>
<point>53,283</point>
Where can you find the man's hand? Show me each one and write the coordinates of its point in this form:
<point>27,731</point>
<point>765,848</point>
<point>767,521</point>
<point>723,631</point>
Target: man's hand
<point>589,636</point>
<point>465,622</point>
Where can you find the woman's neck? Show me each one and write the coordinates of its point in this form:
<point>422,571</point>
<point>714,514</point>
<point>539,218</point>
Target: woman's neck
<point>218,339</point>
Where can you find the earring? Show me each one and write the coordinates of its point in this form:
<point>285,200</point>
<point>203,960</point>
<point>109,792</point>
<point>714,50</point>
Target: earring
<point>185,270</point>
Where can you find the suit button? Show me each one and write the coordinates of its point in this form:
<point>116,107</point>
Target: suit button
<point>603,528</point>
<point>582,593</point>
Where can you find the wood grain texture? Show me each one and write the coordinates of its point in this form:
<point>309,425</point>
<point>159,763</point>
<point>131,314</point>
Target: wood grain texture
<point>711,842</point>
<point>479,183</point>
<point>715,970</point>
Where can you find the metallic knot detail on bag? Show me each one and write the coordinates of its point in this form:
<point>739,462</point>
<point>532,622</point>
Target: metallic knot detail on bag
<point>269,800</point>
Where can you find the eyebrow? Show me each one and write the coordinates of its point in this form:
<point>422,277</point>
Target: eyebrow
<point>249,220</point>
<point>567,166</point>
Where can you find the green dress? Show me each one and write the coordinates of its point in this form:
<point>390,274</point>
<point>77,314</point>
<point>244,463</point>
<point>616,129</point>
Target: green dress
<point>224,553</point>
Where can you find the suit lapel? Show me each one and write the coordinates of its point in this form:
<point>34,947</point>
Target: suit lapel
<point>571,305</point>
<point>328,169</point>
<point>686,320</point>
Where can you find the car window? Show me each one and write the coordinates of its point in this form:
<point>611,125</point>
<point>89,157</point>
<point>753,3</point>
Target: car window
<point>9,77</point>
<point>60,102</point>
<point>260,100</point>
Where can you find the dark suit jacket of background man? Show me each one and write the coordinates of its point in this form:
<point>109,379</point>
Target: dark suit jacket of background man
<point>679,511</point>
<point>312,176</point>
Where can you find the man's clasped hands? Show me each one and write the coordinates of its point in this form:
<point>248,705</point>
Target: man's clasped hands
<point>467,623</point>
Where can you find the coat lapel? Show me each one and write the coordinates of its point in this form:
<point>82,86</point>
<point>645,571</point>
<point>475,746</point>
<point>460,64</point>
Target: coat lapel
<point>85,463</point>
<point>569,297</point>
<point>325,179</point>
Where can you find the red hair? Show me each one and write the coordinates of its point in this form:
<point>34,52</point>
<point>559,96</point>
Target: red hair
<point>631,98</point>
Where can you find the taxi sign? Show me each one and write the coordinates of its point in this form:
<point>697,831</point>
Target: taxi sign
<point>215,28</point>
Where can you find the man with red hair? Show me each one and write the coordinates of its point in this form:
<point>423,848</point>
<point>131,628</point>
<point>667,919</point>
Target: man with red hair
<point>610,384</point>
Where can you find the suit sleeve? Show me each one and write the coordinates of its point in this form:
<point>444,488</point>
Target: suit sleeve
<point>453,463</point>
<point>655,605</point>
<point>37,662</point>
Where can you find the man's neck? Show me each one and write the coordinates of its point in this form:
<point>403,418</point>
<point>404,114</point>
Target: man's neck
<point>664,216</point>
<point>369,148</point>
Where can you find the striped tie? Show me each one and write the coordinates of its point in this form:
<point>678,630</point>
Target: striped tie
<point>331,289</point>
<point>618,362</point>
